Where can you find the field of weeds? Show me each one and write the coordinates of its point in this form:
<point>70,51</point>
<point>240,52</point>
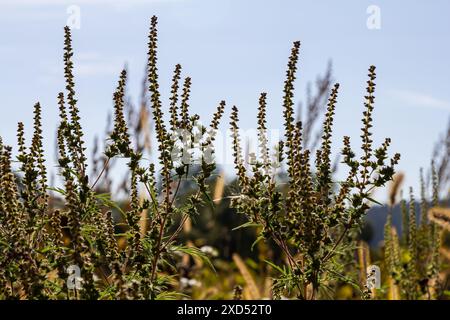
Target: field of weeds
<point>174,227</point>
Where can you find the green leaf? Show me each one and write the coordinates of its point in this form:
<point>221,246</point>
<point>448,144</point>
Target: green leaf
<point>194,252</point>
<point>374,201</point>
<point>58,190</point>
<point>247,225</point>
<point>48,248</point>
<point>278,268</point>
<point>170,295</point>
<point>260,237</point>
<point>105,199</point>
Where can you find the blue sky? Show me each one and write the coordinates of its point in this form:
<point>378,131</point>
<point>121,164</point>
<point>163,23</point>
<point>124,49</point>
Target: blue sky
<point>234,50</point>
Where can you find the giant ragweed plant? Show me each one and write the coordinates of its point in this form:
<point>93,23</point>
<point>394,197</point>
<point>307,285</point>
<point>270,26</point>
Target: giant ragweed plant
<point>41,246</point>
<point>311,218</point>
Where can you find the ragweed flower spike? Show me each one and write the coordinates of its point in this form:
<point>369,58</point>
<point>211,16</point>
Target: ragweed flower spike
<point>75,133</point>
<point>185,123</point>
<point>121,141</point>
<point>323,161</point>
<point>207,147</point>
<point>262,133</point>
<point>366,135</point>
<point>237,150</point>
<point>217,116</point>
<point>164,142</point>
<point>21,142</point>
<point>37,154</point>
<point>174,121</point>
<point>412,234</point>
<point>288,104</point>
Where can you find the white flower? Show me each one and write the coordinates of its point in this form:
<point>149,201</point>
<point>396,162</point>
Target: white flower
<point>209,251</point>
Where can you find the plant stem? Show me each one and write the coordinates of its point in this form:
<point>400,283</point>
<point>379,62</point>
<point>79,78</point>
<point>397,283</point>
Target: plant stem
<point>101,173</point>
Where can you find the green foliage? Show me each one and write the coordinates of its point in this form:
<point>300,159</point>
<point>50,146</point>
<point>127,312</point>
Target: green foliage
<point>39,242</point>
<point>309,220</point>
<point>413,261</point>
<point>298,234</point>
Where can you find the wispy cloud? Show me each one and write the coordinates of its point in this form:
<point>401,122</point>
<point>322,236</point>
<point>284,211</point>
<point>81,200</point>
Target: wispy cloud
<point>35,3</point>
<point>418,99</point>
<point>6,6</point>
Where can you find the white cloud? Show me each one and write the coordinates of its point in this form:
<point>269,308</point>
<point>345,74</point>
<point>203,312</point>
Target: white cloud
<point>419,99</point>
<point>15,3</point>
<point>33,10</point>
<point>118,5</point>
